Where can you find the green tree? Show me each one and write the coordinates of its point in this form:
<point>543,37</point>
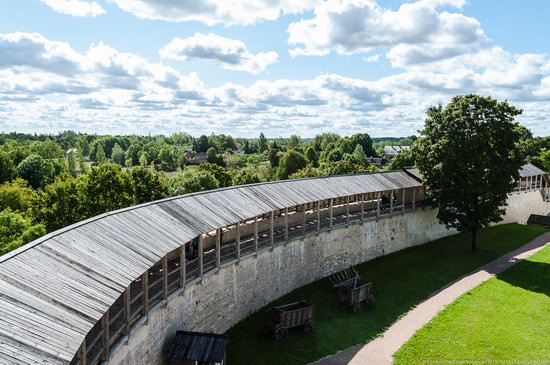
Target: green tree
<point>212,157</point>
<point>188,181</point>
<point>335,155</point>
<point>220,173</point>
<point>345,145</point>
<point>245,176</point>
<point>71,163</point>
<point>47,149</point>
<point>343,167</point>
<point>545,159</point>
<point>403,159</point>
<point>133,153</point>
<point>365,141</point>
<point>38,171</point>
<point>147,185</point>
<point>168,159</point>
<point>143,159</point>
<point>118,155</point>
<point>293,142</point>
<point>469,160</point>
<point>290,163</point>
<point>360,157</point>
<point>16,230</point>
<point>83,145</point>
<point>100,157</point>
<point>262,143</point>
<point>61,203</point>
<point>7,168</point>
<point>106,188</point>
<point>312,156</point>
<point>306,172</point>
<point>273,157</point>
<point>17,195</point>
<point>202,144</point>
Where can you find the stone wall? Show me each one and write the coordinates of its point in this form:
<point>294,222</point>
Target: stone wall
<point>225,297</point>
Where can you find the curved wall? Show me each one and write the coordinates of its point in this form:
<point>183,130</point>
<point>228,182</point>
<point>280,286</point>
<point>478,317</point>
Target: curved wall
<point>230,294</point>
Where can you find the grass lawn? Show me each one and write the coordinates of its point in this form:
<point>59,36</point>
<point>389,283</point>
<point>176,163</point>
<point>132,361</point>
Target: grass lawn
<point>401,280</point>
<point>504,320</point>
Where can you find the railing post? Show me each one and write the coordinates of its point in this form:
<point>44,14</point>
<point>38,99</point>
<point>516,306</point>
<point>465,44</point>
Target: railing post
<point>391,203</point>
<point>362,207</point>
<point>347,210</point>
<point>201,254</point>
<point>165,277</point>
<point>271,228</point>
<point>378,206</point>
<point>330,213</point>
<point>286,224</point>
<point>105,339</point>
<point>127,311</point>
<point>82,353</point>
<point>256,234</point>
<point>145,287</point>
<point>414,199</point>
<point>403,201</point>
<point>183,266</point>
<point>238,240</point>
<point>303,220</point>
<point>218,247</point>
<point>318,217</point>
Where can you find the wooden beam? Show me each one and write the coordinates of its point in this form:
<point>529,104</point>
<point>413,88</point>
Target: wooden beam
<point>414,199</point>
<point>378,206</point>
<point>105,338</point>
<point>303,220</point>
<point>286,224</point>
<point>319,216</point>
<point>271,228</point>
<point>183,266</point>
<point>362,207</point>
<point>347,210</point>
<point>165,277</point>
<point>218,247</point>
<point>256,234</point>
<point>403,201</point>
<point>330,212</point>
<point>201,254</point>
<point>82,354</point>
<point>145,287</point>
<point>391,203</point>
<point>127,311</point>
<point>238,240</point>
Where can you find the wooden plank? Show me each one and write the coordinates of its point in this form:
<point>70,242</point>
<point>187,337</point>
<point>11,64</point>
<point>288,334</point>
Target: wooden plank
<point>256,233</point>
<point>318,216</point>
<point>164,277</point>
<point>271,227</point>
<point>105,338</point>
<point>238,240</point>
<point>145,295</point>
<point>201,258</point>
<point>183,266</point>
<point>331,212</point>
<point>127,311</point>
<point>218,246</point>
<point>286,224</point>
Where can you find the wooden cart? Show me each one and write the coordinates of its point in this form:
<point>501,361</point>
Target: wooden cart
<point>291,315</point>
<point>352,291</point>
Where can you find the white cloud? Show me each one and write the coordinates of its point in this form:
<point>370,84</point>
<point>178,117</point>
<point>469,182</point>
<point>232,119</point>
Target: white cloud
<point>213,12</point>
<point>46,85</point>
<point>228,53</point>
<point>75,7</point>
<point>415,33</point>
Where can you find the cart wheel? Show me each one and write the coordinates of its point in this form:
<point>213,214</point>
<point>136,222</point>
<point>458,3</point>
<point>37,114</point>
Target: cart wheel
<point>309,326</point>
<point>281,333</point>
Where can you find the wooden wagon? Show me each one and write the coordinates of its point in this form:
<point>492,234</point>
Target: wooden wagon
<point>291,315</point>
<point>352,291</point>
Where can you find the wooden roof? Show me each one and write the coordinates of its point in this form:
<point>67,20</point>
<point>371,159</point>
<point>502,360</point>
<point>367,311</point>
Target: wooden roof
<point>530,170</point>
<point>53,290</point>
<point>197,346</point>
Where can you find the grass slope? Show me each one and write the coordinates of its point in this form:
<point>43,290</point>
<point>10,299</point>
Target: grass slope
<point>504,320</point>
<point>401,281</point>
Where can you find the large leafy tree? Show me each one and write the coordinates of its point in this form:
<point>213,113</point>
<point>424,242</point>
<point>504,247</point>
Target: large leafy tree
<point>220,173</point>
<point>147,185</point>
<point>291,162</point>
<point>469,159</point>
<point>17,195</point>
<point>38,171</point>
<point>188,181</point>
<point>7,167</point>
<point>16,230</point>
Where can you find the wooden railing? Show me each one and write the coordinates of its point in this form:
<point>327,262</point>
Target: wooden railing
<point>195,259</point>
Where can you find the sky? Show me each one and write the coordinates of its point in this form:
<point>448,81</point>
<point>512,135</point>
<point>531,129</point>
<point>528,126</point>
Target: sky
<point>281,67</point>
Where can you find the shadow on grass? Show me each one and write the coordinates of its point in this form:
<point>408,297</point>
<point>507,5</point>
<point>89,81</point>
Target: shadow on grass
<point>529,275</point>
<point>401,281</point>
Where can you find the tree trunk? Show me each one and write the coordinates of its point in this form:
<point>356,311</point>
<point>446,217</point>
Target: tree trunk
<point>475,238</point>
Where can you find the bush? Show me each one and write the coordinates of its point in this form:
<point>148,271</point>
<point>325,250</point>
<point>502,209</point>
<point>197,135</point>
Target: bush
<point>188,181</point>
<point>16,230</point>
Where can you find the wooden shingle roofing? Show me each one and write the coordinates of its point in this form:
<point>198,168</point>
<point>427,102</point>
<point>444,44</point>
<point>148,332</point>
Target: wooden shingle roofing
<point>55,289</point>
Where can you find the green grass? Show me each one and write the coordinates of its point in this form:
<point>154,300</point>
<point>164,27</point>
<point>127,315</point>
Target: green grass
<point>401,280</point>
<point>505,320</point>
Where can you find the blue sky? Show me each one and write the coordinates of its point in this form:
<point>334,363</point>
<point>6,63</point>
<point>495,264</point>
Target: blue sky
<point>281,67</point>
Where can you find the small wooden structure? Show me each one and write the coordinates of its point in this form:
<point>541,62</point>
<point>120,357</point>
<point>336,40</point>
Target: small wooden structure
<point>191,348</point>
<point>351,289</point>
<point>291,315</point>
